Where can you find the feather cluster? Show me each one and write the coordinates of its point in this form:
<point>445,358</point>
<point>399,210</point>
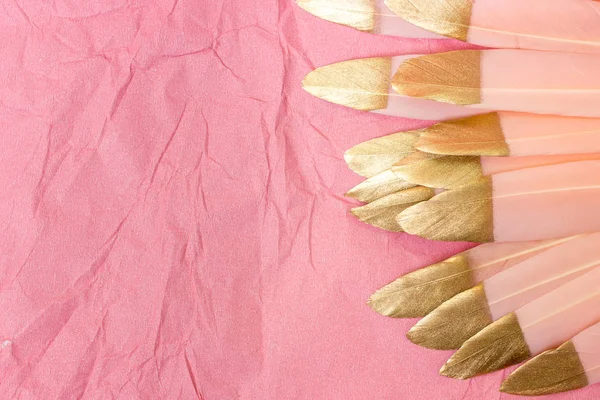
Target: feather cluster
<point>514,165</point>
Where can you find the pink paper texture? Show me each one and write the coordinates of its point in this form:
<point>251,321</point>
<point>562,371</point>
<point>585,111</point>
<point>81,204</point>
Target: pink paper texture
<point>172,219</point>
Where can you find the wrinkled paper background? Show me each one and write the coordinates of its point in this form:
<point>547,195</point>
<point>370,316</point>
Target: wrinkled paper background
<point>172,219</point>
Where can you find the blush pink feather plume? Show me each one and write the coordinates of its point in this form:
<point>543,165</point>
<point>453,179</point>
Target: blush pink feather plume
<point>434,86</point>
<point>418,293</point>
<point>415,178</point>
<point>557,25</point>
<point>510,134</point>
<point>536,203</point>
<point>365,84</point>
<point>458,319</point>
<point>507,80</point>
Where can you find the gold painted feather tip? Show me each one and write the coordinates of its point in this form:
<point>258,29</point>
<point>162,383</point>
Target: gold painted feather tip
<point>463,214</point>
<point>420,169</point>
<point>418,293</point>
<point>448,18</point>
<point>497,346</point>
<point>361,84</point>
<point>453,77</point>
<point>554,371</point>
<point>379,186</point>
<point>450,325</point>
<point>357,14</point>
<point>382,213</point>
<point>438,171</point>
<point>377,155</point>
<point>480,135</point>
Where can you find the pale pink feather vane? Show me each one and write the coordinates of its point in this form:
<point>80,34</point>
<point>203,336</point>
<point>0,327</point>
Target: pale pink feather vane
<point>513,162</point>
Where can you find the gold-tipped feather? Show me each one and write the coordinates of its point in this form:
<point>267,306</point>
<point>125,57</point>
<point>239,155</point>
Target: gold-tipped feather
<point>454,322</point>
<point>480,135</point>
<point>382,213</point>
<point>497,346</point>
<point>453,77</point>
<point>358,14</point>
<point>379,186</point>
<point>448,18</point>
<point>464,214</point>
<point>553,371</point>
<point>418,293</point>
<point>377,155</point>
<point>362,84</point>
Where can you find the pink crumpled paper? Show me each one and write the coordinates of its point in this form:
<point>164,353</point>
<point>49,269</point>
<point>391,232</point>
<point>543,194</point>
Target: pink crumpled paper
<point>172,219</point>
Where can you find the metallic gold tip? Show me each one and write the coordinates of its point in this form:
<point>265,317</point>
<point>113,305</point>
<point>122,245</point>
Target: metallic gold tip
<point>454,322</point>
<point>377,155</point>
<point>357,14</point>
<point>361,84</point>
<point>378,187</point>
<point>497,346</point>
<point>418,293</point>
<point>419,169</point>
<point>480,135</point>
<point>553,371</point>
<point>464,214</point>
<point>438,171</point>
<point>448,18</point>
<point>382,213</point>
<point>453,77</point>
